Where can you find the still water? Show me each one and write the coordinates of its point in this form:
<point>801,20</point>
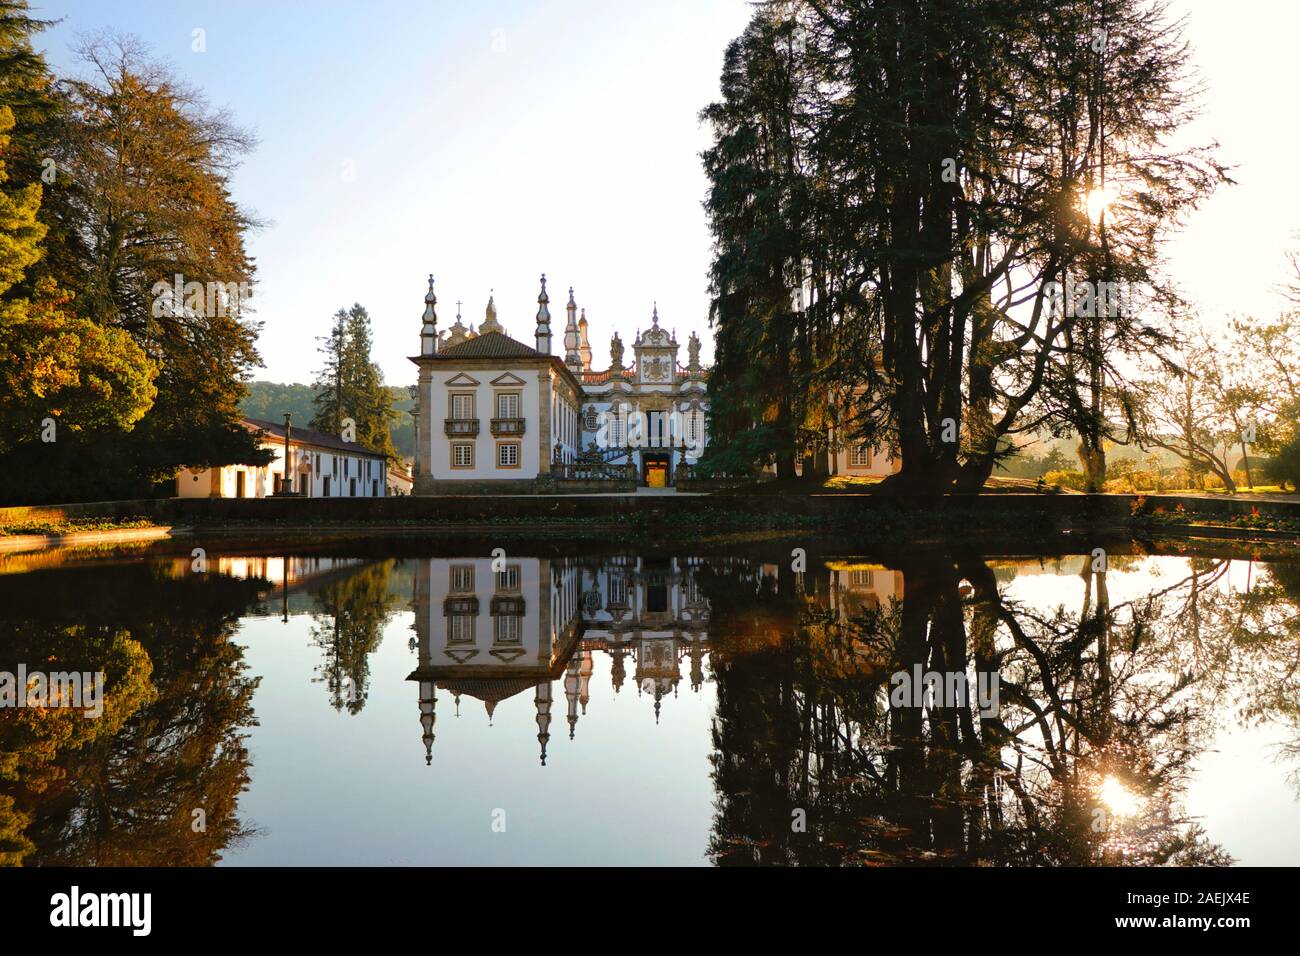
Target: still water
<point>389,704</point>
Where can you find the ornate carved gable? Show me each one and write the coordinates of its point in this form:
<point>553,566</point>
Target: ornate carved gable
<point>656,354</point>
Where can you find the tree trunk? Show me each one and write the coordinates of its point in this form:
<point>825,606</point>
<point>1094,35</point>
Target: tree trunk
<point>1094,464</point>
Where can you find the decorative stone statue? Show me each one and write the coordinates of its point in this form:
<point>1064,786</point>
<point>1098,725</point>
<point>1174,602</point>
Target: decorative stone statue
<point>693,349</point>
<point>616,352</point>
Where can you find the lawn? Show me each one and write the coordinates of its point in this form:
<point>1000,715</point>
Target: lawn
<point>73,526</point>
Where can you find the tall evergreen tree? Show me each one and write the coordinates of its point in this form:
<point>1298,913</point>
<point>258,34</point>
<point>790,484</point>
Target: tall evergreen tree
<point>758,206</point>
<point>375,416</point>
<point>922,174</point>
<point>351,386</point>
<point>27,87</point>
<point>333,401</point>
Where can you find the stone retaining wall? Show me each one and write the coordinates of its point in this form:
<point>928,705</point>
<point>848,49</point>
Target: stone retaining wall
<point>1062,511</point>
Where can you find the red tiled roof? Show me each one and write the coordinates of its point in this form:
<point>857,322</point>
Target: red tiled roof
<point>489,345</point>
<point>307,436</point>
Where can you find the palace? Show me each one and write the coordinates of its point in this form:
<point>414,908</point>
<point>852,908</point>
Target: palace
<point>552,424</point>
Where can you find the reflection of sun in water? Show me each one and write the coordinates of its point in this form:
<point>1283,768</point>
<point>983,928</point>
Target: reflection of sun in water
<point>1119,799</point>
<point>1098,201</point>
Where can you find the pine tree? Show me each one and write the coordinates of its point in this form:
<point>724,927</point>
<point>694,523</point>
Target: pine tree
<point>27,88</point>
<point>332,405</point>
<point>757,206</point>
<point>351,386</point>
<point>915,176</point>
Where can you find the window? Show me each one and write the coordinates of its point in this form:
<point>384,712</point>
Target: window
<point>505,629</point>
<point>656,422</point>
<point>694,433</point>
<point>616,427</point>
<point>508,580</point>
<point>462,454</point>
<point>374,487</point>
<point>860,456</point>
<point>325,486</point>
<point>460,629</point>
<point>592,422</point>
<point>462,578</point>
<point>462,405</point>
<point>507,404</point>
<point>860,579</point>
<point>617,590</point>
<point>352,487</point>
<point>656,598</point>
<point>508,454</point>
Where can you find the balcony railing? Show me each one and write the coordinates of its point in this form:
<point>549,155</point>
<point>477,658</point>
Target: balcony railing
<point>513,606</point>
<point>456,605</point>
<point>507,426</point>
<point>461,427</point>
<point>595,471</point>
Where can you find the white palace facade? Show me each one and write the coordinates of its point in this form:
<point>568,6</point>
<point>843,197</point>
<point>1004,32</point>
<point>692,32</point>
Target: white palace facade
<point>494,414</point>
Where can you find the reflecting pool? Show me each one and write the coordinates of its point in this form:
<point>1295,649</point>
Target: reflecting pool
<point>409,702</point>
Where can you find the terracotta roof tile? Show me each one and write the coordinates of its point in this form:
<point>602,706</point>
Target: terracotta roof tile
<point>308,436</point>
<point>489,345</point>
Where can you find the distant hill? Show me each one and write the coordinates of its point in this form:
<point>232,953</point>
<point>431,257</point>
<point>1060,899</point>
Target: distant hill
<point>270,400</point>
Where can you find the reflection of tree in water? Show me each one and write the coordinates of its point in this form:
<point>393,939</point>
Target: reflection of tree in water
<point>122,790</point>
<point>348,627</point>
<point>1085,760</point>
<point>1262,665</point>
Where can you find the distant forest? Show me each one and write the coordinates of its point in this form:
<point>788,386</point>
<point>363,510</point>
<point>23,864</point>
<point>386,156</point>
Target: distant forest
<point>270,400</point>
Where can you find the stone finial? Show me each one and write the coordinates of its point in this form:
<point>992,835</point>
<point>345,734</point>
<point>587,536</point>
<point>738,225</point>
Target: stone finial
<point>429,322</point>
<point>572,357</point>
<point>490,323</point>
<point>542,334</point>
<point>584,346</point>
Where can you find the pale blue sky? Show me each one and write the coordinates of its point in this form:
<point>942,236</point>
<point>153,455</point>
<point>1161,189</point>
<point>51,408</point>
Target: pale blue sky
<point>490,142</point>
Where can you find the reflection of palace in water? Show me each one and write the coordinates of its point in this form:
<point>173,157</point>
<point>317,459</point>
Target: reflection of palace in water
<point>494,629</point>
<point>492,633</point>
